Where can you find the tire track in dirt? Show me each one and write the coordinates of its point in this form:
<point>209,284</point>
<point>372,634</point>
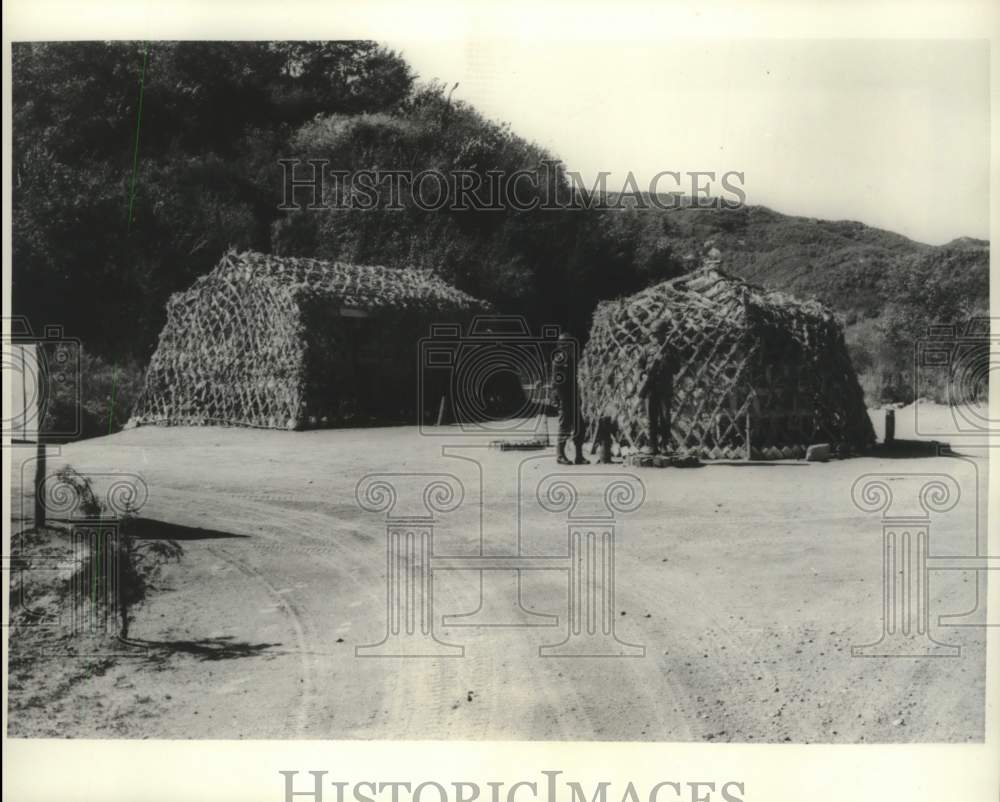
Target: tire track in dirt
<point>419,696</point>
<point>419,693</point>
<point>278,531</point>
<point>298,722</point>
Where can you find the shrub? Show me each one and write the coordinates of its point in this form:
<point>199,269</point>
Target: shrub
<point>883,351</point>
<point>104,400</point>
<point>139,561</point>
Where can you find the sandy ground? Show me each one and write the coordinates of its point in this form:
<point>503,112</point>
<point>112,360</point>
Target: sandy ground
<point>746,584</point>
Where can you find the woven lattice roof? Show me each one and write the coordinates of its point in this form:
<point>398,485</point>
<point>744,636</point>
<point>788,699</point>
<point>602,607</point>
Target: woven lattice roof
<point>747,370</point>
<point>267,341</point>
<point>721,295</point>
<point>360,286</point>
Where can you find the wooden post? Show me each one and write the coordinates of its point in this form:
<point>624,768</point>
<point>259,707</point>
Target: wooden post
<point>24,395</point>
<point>40,487</point>
<point>653,412</point>
<point>666,423</point>
<point>40,448</point>
<point>603,441</point>
<point>749,452</point>
<point>890,426</point>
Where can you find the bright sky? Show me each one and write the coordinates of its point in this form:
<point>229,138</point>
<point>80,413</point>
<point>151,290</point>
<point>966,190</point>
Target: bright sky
<point>894,133</point>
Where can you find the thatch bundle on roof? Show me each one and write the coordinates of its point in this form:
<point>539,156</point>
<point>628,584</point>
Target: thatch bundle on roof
<point>709,365</point>
<point>283,342</point>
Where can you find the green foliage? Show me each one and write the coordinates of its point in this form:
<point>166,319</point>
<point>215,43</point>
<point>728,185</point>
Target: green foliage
<point>83,489</point>
<point>98,246</point>
<point>139,562</point>
<point>942,286</point>
<point>215,118</point>
<point>887,288</point>
<point>103,401</point>
<point>550,265</point>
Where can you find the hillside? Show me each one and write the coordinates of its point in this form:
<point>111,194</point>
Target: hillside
<point>886,287</point>
<point>100,250</point>
<point>855,268</point>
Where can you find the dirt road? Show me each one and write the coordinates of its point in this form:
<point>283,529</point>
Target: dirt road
<point>746,585</point>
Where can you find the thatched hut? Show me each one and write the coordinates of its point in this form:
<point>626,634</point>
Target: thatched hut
<point>291,343</point>
<point>711,366</point>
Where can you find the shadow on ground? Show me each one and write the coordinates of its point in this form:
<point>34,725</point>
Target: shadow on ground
<point>221,648</point>
<point>150,529</point>
<point>911,449</point>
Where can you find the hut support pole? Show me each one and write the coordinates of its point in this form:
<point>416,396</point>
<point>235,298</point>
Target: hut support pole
<point>40,485</point>
<point>666,422</point>
<point>653,412</point>
<point>602,441</point>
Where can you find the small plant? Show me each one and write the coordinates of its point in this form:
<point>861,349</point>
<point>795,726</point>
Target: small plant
<point>140,566</point>
<point>139,561</point>
<point>87,501</point>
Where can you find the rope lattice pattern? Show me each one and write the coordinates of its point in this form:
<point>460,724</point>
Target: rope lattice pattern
<point>739,372</point>
<point>263,341</point>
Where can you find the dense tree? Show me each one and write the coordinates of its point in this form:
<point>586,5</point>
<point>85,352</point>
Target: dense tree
<point>551,264</point>
<point>136,165</point>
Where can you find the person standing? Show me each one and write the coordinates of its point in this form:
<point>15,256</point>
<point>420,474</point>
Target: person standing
<point>567,399</point>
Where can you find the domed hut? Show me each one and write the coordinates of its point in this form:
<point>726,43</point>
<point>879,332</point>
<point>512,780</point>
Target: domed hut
<point>711,366</point>
<point>292,343</point>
